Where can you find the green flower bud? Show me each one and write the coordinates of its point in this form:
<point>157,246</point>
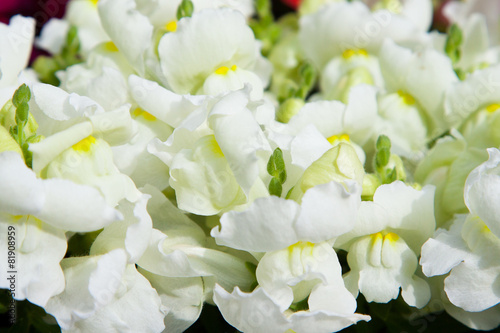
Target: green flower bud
<point>338,164</point>
<point>453,43</point>
<point>185,9</point>
<point>382,157</point>
<point>21,96</point>
<point>275,187</point>
<point>356,76</point>
<point>288,109</point>
<point>22,114</point>
<point>383,142</point>
<point>370,184</point>
<point>8,115</point>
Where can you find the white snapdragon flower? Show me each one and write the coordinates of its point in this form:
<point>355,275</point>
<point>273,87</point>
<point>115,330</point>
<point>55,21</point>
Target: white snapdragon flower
<point>183,267</point>
<point>351,27</point>
<point>299,264</point>
<point>77,144</point>
<point>460,11</point>
<point>413,75</point>
<point>216,155</point>
<point>468,251</point>
<point>150,49</point>
<point>417,11</point>
<point>101,78</point>
<point>446,166</point>
<point>399,117</point>
<point>84,16</point>
<point>41,211</point>
<point>16,41</point>
<point>476,96</point>
<point>104,293</point>
<point>212,52</point>
<point>476,51</point>
<point>163,12</point>
<point>335,122</point>
<point>385,243</point>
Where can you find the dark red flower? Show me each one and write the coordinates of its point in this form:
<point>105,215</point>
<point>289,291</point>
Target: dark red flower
<point>292,3</point>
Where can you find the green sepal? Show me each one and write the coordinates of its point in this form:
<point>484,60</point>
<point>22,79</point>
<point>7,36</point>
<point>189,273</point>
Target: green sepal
<point>22,114</point>
<point>275,187</point>
<point>22,95</point>
<point>383,142</point>
<point>453,43</point>
<point>276,166</point>
<point>382,157</point>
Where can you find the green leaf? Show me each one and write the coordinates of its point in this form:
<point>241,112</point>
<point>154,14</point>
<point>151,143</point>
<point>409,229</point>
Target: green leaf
<point>275,187</point>
<point>185,9</point>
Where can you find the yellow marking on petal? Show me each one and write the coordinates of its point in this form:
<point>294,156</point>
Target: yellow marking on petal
<point>485,229</point>
<point>171,26</point>
<point>222,70</point>
<point>492,107</point>
<point>146,115</point>
<point>349,53</point>
<point>363,52</point>
<point>391,237</point>
<point>407,98</point>
<point>85,144</point>
<point>300,245</point>
<point>215,148</point>
<point>345,137</point>
<point>94,2</point>
<point>377,237</point>
<point>334,138</point>
<point>110,47</point>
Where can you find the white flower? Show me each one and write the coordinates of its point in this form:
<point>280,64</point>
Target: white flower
<point>104,293</point>
<point>299,266</point>
<point>384,245</point>
<point>216,156</point>
<point>414,74</point>
<point>41,211</point>
<point>258,312</point>
<point>182,298</point>
<point>130,31</point>
<point>469,249</point>
<point>212,52</point>
<point>478,93</point>
<point>342,26</point>
<point>460,11</point>
<point>337,122</point>
<point>271,223</point>
<point>417,11</point>
<point>399,118</point>
<point>16,41</point>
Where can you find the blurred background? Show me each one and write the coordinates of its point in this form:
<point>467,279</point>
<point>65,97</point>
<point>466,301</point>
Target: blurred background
<point>43,10</point>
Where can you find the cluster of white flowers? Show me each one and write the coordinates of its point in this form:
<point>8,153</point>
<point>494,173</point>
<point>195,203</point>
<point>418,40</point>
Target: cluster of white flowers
<point>209,156</point>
